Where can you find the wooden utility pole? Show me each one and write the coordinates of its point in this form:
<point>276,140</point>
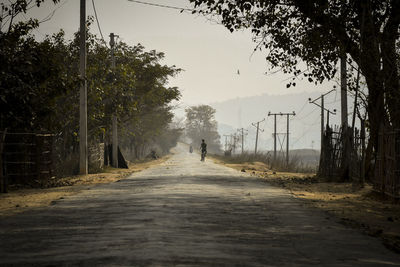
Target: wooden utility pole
<point>242,134</point>
<point>346,137</point>
<point>274,137</point>
<point>343,90</point>
<point>323,109</point>
<point>287,133</point>
<point>233,142</point>
<point>322,119</point>
<point>274,114</point>
<point>83,146</point>
<point>114,117</point>
<point>226,141</point>
<point>257,125</point>
<point>287,137</point>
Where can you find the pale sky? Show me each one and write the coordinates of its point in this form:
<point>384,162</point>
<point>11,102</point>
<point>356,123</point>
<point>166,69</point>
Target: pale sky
<point>210,55</point>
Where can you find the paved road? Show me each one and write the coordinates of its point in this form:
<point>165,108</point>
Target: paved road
<point>185,213</point>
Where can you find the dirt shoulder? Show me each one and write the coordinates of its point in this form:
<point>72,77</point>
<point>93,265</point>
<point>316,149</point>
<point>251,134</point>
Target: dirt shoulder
<point>360,208</point>
<point>19,200</point>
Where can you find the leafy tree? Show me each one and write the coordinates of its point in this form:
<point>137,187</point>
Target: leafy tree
<point>12,8</point>
<point>39,92</point>
<point>201,124</point>
<point>318,33</point>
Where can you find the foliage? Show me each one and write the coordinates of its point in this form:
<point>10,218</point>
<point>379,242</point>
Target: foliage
<point>39,89</point>
<point>317,33</point>
<point>201,124</point>
<point>11,9</point>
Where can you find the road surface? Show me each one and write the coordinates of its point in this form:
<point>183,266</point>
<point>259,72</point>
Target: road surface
<point>185,213</point>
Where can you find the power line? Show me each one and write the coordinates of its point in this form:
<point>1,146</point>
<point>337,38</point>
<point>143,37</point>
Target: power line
<point>301,110</point>
<point>191,10</point>
<point>305,132</point>
<point>98,24</point>
<point>308,114</point>
<point>160,5</point>
<point>51,14</point>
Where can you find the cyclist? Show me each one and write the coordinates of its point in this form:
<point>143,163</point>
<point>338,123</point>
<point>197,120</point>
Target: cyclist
<point>203,149</point>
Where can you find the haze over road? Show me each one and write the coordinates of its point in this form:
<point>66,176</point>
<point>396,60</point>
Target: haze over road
<point>188,213</point>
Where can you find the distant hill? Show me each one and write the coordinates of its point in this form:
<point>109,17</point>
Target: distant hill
<point>304,127</point>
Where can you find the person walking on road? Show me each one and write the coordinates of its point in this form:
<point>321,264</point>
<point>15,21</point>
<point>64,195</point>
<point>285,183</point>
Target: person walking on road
<point>203,149</point>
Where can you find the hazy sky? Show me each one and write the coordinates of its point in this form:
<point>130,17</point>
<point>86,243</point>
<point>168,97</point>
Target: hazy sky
<point>209,53</point>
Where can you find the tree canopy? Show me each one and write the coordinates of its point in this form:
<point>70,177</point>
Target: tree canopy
<point>318,33</point>
<point>40,81</point>
<point>201,124</point>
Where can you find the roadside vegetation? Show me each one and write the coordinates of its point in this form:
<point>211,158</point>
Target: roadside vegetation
<point>361,208</point>
<point>39,91</point>
<point>200,124</point>
<point>23,199</point>
<point>296,163</point>
<point>307,39</point>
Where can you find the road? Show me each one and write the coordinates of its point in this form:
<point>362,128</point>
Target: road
<point>185,213</point>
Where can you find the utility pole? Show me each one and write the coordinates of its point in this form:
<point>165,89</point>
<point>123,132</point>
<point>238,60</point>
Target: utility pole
<point>114,117</point>
<point>233,142</point>
<point>287,132</point>
<point>287,136</point>
<point>343,90</point>
<point>346,137</point>
<point>269,114</point>
<point>258,129</point>
<point>83,146</point>
<point>242,134</point>
<point>323,109</point>
<point>226,141</point>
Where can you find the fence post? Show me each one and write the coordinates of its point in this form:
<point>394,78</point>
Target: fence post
<point>362,137</point>
<point>3,182</point>
<point>37,157</point>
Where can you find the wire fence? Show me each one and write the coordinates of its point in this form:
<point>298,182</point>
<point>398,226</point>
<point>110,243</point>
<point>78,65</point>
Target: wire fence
<point>26,158</point>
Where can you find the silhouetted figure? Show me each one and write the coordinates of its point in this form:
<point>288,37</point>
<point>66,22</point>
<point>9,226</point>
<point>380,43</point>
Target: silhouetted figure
<point>203,149</point>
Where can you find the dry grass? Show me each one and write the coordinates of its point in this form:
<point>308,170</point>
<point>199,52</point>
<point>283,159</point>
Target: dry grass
<point>280,164</point>
<point>360,208</point>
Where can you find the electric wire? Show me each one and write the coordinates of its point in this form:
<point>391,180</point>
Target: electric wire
<point>299,112</point>
<point>305,132</point>
<point>98,23</point>
<point>51,14</point>
<point>161,5</point>
<point>308,114</point>
<point>305,104</point>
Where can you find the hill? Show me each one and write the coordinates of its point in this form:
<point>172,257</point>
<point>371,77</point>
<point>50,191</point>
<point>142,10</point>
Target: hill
<point>304,129</point>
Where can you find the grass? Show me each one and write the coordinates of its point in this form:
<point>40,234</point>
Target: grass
<point>295,162</point>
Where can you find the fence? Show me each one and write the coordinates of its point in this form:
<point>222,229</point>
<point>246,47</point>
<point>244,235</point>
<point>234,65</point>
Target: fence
<point>387,166</point>
<point>340,161</point>
<point>26,159</point>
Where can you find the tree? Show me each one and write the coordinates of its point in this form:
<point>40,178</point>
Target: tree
<point>318,33</point>
<point>39,82</point>
<point>201,124</point>
<point>10,10</point>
